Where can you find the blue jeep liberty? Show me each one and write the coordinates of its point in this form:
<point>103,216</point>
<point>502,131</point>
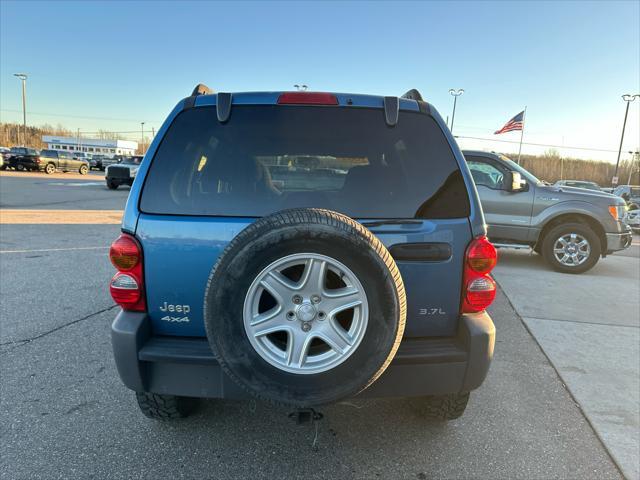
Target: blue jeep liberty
<point>302,248</point>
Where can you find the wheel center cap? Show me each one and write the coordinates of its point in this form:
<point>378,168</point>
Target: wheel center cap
<point>306,312</point>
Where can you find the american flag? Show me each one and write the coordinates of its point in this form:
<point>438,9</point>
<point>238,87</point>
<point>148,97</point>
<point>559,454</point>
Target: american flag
<point>516,123</point>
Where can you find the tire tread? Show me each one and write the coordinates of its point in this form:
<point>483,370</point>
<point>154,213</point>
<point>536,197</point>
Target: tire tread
<point>164,407</point>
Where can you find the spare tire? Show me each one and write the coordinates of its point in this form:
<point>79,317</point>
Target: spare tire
<point>305,307</point>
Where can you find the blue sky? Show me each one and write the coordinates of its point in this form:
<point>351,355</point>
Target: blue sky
<point>112,65</point>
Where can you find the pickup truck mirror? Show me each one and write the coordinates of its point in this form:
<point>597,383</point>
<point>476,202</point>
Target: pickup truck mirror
<point>514,182</point>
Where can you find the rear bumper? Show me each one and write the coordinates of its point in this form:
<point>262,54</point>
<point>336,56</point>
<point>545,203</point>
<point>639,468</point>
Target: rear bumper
<point>119,181</point>
<point>185,366</point>
<point>618,241</point>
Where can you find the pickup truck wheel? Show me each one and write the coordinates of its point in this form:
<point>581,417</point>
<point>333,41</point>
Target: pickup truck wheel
<point>441,407</point>
<point>571,248</point>
<point>305,307</point>
<point>50,168</point>
<point>83,170</point>
<point>111,185</point>
<point>165,407</point>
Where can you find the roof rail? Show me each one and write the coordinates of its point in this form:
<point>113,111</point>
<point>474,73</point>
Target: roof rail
<point>413,94</point>
<point>201,89</point>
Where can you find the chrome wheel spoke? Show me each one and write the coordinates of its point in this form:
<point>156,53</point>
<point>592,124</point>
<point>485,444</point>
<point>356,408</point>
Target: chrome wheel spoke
<point>335,336</point>
<point>268,322</point>
<point>314,275</point>
<point>297,348</point>
<point>336,301</point>
<point>278,285</point>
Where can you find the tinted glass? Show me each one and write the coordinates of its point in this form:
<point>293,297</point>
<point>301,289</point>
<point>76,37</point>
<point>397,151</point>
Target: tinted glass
<point>269,158</point>
<point>485,174</point>
<point>49,153</point>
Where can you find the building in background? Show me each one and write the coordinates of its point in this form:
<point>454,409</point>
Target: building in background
<point>94,146</point>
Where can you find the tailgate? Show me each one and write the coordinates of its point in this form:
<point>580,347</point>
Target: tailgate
<point>180,252</point>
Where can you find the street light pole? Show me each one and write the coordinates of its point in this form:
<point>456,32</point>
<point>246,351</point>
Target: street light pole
<point>455,94</point>
<point>627,98</point>
<point>142,136</point>
<point>23,77</point>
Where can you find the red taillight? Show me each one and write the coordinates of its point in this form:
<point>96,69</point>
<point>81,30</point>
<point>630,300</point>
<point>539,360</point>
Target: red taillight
<point>124,252</point>
<point>481,255</point>
<point>127,286</point>
<point>39,159</point>
<point>479,289</point>
<point>307,98</point>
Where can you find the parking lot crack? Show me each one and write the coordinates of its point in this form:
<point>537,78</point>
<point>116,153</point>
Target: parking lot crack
<point>25,341</point>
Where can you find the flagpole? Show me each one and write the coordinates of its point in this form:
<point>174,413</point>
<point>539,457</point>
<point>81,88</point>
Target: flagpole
<point>524,115</point>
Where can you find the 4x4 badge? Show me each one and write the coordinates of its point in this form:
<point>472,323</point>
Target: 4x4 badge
<point>168,318</point>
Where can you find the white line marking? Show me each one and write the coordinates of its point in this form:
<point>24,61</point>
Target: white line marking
<point>83,184</point>
<point>53,250</point>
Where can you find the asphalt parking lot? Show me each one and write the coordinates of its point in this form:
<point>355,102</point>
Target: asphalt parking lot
<point>65,414</point>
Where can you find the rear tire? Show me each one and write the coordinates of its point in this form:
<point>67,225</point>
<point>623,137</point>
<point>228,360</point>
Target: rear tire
<point>20,167</point>
<point>50,168</point>
<point>441,407</point>
<point>165,407</point>
<point>553,241</point>
<point>111,185</point>
<point>83,170</point>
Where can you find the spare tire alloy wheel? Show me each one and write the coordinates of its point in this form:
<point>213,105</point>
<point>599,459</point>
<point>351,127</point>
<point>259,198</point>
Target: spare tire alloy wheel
<point>305,307</point>
<point>307,312</point>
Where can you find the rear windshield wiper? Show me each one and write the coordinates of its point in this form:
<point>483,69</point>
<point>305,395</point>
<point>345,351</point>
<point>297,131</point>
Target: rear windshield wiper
<point>378,223</point>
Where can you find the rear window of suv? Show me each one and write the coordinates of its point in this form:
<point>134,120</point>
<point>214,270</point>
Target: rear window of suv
<point>268,158</point>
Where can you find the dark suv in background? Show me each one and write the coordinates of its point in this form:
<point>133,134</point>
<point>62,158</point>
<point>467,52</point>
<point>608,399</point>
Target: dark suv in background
<point>302,248</point>
<point>22,158</point>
